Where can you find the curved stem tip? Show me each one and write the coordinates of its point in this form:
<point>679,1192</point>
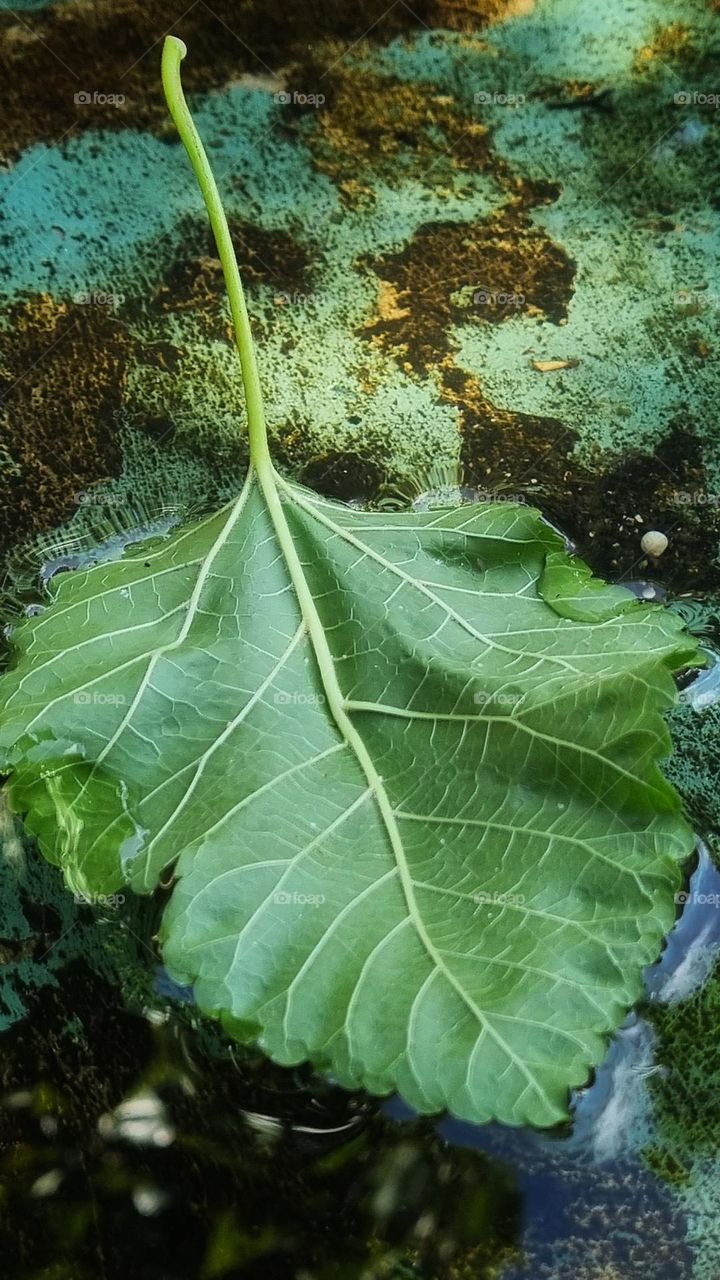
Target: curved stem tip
<point>174,51</point>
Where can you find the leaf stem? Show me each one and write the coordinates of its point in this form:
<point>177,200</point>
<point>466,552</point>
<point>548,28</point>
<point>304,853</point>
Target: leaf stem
<point>174,51</point>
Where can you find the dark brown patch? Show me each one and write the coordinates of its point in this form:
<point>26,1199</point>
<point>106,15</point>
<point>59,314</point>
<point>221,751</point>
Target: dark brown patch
<point>501,265</point>
<point>271,257</point>
<point>62,374</point>
<point>113,47</point>
<point>597,507</point>
<point>668,490</point>
<point>194,282</point>
<point>346,476</point>
<point>505,451</point>
<point>371,124</point>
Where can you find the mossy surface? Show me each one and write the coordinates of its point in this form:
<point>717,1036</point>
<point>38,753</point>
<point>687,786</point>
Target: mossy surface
<point>484,188</point>
<point>686,1095</point>
<point>435,248</point>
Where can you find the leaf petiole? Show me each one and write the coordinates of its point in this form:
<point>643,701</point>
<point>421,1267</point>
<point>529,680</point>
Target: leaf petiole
<point>174,51</point>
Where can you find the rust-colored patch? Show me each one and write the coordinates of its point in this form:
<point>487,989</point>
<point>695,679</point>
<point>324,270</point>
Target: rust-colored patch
<point>112,47</point>
<point>670,42</point>
<point>451,273</point>
<point>388,307</point>
<point>468,15</point>
<point>372,124</point>
<point>62,373</point>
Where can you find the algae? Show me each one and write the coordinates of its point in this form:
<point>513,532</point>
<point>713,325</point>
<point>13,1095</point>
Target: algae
<point>464,156</point>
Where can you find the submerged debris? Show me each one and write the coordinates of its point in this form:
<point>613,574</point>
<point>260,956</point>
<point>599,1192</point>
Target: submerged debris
<point>551,366</point>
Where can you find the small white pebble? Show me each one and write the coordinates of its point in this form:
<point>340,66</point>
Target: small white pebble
<point>148,1200</point>
<point>47,1184</point>
<point>653,543</point>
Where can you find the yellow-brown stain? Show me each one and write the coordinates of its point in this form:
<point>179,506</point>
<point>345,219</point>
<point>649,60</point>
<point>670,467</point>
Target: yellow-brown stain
<point>463,15</point>
<point>373,125</point>
<point>112,47</point>
<point>62,375</point>
<point>670,42</point>
<point>477,272</point>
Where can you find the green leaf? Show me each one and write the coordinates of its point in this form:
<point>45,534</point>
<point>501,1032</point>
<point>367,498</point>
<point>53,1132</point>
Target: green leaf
<point>404,768</point>
<point>420,831</point>
<point>568,585</point>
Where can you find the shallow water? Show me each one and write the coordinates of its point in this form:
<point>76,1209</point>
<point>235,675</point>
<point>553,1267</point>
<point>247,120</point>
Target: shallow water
<point>134,1141</point>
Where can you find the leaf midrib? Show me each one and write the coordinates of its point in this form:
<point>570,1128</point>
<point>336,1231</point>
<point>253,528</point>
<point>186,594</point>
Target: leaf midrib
<point>336,703</point>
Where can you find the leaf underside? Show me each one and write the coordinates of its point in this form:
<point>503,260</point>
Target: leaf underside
<point>431,854</point>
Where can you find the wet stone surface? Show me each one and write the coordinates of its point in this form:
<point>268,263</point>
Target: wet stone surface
<point>482,250</point>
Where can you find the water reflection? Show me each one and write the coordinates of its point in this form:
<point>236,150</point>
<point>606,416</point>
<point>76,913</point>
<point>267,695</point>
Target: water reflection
<point>169,1156</point>
<point>135,1141</point>
<point>141,1144</point>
